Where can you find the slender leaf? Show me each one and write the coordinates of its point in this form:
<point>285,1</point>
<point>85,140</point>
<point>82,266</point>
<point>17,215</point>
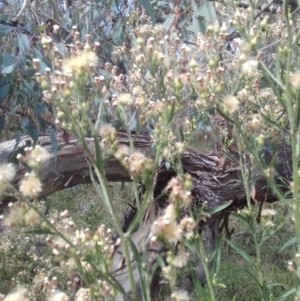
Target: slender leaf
<point>220,111</point>
<point>272,233</point>
<point>268,73</point>
<point>53,140</point>
<point>240,251</point>
<point>117,31</point>
<point>182,139</point>
<point>217,260</point>
<point>289,243</point>
<point>171,112</point>
<point>98,153</point>
<point>218,208</point>
<point>288,292</point>
<point>138,260</point>
<point>242,218</point>
<point>198,287</point>
<point>169,21</point>
<point>273,123</point>
<point>255,278</point>
<point>135,251</point>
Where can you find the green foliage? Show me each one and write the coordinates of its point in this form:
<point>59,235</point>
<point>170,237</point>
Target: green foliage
<point>91,212</point>
<point>186,67</point>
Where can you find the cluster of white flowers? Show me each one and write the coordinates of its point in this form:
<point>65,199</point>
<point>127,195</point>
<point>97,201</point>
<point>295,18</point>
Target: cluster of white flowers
<point>7,174</point>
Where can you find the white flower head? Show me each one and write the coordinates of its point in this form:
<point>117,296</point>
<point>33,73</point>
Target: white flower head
<point>230,103</point>
<point>59,296</point>
<point>31,185</point>
<point>249,68</point>
<point>18,295</point>
<point>167,229</point>
<point>107,130</point>
<point>83,60</point>
<point>180,295</point>
<point>7,172</point>
<point>82,295</point>
<point>31,217</point>
<point>122,152</point>
<point>295,80</point>
<point>37,156</point>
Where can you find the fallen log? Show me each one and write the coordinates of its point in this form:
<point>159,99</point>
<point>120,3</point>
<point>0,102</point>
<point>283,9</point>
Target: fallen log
<point>213,185</point>
<point>69,167</point>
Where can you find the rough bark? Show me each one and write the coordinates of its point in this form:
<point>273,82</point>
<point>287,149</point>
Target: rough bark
<point>212,185</point>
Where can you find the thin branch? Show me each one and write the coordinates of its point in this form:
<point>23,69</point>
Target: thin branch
<point>264,9</point>
<point>57,22</point>
<point>21,10</point>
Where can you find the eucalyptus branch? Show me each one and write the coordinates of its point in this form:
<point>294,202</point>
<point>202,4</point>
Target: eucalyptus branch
<point>21,10</point>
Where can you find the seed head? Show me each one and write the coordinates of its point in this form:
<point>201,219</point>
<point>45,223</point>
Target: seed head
<point>230,103</point>
<point>31,185</point>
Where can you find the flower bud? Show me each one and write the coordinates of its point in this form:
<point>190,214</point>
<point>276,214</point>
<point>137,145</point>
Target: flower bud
<point>193,63</point>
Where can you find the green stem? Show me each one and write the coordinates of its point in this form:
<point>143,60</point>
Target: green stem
<point>258,258</point>
<point>243,167</point>
<point>293,126</point>
<point>207,273</point>
<point>106,196</point>
<point>123,239</point>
